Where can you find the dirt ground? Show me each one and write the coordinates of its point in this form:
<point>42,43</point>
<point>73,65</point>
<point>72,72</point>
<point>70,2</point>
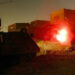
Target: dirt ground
<point>40,65</point>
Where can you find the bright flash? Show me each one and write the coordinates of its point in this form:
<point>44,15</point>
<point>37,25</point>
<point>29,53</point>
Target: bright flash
<point>62,35</point>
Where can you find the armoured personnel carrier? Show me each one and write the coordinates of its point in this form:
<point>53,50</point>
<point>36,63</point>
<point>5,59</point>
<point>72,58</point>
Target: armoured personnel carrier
<point>17,44</point>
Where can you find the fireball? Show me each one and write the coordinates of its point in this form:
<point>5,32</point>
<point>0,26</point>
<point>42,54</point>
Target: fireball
<point>62,35</point>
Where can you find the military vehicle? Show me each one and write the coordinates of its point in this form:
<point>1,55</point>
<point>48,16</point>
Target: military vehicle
<point>17,44</point>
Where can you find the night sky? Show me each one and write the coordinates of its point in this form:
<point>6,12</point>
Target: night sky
<point>12,11</point>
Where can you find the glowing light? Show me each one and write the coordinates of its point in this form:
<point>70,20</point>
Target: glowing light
<point>62,35</point>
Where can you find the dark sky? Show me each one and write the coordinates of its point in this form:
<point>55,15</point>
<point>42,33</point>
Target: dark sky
<point>12,11</point>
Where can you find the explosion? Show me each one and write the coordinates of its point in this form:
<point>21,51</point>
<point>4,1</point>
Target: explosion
<point>62,35</point>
